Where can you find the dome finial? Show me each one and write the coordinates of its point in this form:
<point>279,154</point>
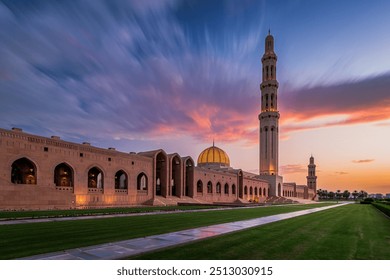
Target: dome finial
<point>269,31</point>
<point>213,143</point>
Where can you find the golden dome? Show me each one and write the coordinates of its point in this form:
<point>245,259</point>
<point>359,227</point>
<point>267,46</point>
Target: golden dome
<point>213,156</point>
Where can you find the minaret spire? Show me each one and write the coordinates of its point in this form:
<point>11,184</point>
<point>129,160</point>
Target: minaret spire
<point>269,116</point>
<point>269,120</point>
<point>311,175</point>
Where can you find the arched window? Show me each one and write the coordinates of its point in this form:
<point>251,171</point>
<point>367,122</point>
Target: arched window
<point>233,189</point>
<point>245,190</point>
<point>23,171</point>
<point>142,182</point>
<point>250,191</point>
<point>95,178</point>
<point>63,175</point>
<point>120,180</point>
<point>199,186</point>
<point>218,187</point>
<point>209,187</point>
<point>265,192</point>
<point>260,194</point>
<point>256,191</point>
<point>226,188</point>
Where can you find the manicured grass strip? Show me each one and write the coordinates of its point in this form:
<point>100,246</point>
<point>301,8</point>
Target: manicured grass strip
<point>343,233</point>
<point>93,212</point>
<point>29,239</point>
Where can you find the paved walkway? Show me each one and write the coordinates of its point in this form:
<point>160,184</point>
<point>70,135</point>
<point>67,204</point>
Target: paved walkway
<point>131,247</point>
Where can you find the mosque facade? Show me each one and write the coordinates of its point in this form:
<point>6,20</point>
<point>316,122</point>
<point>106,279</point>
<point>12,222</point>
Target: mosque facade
<point>49,173</point>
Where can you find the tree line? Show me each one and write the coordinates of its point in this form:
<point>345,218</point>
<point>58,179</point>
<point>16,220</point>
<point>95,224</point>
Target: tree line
<point>324,194</point>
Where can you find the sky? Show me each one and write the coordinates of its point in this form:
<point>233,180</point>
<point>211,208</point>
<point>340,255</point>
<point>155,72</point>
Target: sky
<point>176,75</point>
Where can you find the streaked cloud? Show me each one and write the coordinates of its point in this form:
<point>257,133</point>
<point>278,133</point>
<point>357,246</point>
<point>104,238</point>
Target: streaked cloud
<point>293,168</point>
<point>131,68</point>
<point>341,173</point>
<point>352,102</point>
<point>363,161</point>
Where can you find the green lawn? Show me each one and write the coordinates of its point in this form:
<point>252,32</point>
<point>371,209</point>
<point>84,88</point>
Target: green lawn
<point>9,215</point>
<point>348,232</point>
<point>36,238</point>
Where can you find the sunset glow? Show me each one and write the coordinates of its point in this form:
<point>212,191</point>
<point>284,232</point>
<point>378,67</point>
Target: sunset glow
<point>176,75</point>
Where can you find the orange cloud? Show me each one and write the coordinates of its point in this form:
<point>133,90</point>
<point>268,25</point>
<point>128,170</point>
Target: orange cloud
<point>293,168</point>
<point>363,161</point>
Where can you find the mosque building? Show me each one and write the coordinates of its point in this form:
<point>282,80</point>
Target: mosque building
<point>49,173</point>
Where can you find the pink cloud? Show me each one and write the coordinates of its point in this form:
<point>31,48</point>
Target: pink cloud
<point>360,101</point>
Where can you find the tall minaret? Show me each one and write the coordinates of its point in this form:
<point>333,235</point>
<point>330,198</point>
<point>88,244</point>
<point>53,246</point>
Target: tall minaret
<point>269,116</point>
<point>311,176</point>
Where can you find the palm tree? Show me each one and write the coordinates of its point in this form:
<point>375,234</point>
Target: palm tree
<point>325,194</point>
<point>346,194</point>
<point>355,194</point>
<point>320,193</point>
<point>362,194</point>
<point>338,194</point>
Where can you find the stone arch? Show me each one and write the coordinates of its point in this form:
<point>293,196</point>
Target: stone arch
<point>24,171</point>
<point>209,187</point>
<point>234,189</point>
<point>240,184</point>
<point>121,180</point>
<point>161,165</point>
<point>199,186</point>
<point>226,188</point>
<point>218,188</point>
<point>189,177</point>
<point>63,175</point>
<point>175,176</point>
<point>245,190</point>
<point>142,182</point>
<point>95,178</point>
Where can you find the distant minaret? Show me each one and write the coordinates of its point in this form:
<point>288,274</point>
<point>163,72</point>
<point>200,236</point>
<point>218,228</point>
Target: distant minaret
<point>269,116</point>
<point>311,176</point>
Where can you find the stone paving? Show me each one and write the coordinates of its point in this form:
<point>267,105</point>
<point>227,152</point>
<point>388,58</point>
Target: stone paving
<point>131,247</point>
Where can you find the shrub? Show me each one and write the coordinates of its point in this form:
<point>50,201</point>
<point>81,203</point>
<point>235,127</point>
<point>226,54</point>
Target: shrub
<point>382,207</point>
<point>367,200</point>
